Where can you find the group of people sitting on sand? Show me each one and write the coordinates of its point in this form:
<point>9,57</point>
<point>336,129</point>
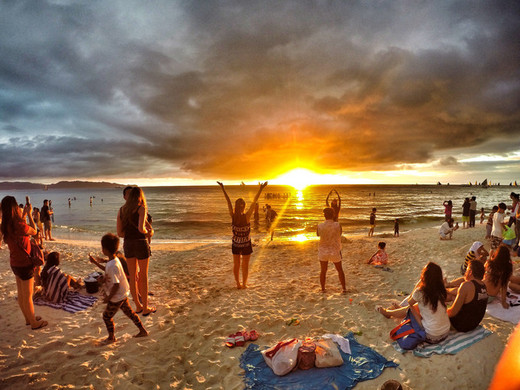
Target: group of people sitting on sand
<point>439,305</point>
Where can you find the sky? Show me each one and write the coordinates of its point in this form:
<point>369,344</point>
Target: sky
<point>189,92</point>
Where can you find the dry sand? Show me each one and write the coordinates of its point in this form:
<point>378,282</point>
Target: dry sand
<point>198,306</point>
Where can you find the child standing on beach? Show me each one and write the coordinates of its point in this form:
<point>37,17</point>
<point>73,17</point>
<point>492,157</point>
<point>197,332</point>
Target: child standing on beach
<point>380,257</point>
<point>396,228</point>
<point>117,288</point>
<point>482,215</point>
<point>489,225</point>
<point>498,226</point>
<point>372,222</point>
<point>329,248</point>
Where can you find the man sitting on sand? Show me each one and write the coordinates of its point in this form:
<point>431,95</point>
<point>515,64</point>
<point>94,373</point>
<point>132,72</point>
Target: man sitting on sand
<point>447,229</point>
<point>329,248</point>
<point>469,305</point>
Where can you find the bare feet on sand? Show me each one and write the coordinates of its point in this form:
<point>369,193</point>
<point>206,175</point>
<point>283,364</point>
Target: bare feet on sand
<point>382,310</point>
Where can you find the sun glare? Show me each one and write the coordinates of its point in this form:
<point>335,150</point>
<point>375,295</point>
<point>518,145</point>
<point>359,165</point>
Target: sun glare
<point>298,178</point>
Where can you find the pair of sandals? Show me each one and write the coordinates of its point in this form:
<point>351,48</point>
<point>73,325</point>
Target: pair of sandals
<point>239,339</point>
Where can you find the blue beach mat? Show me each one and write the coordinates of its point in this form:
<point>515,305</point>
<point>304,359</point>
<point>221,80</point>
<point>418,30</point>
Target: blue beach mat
<point>73,303</point>
<point>362,365</point>
<point>455,342</point>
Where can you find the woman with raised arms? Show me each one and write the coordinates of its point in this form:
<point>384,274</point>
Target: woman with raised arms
<point>241,243</point>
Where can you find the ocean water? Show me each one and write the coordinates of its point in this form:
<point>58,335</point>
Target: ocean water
<point>199,214</point>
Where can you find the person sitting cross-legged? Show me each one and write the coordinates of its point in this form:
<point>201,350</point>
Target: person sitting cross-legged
<point>469,305</point>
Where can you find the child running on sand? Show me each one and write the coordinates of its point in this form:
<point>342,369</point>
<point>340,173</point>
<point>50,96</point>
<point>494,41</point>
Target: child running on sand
<point>117,288</point>
<point>329,248</point>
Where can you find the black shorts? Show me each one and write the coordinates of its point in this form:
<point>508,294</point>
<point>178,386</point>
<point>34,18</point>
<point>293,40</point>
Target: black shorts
<point>242,250</point>
<point>137,249</point>
<point>24,273</point>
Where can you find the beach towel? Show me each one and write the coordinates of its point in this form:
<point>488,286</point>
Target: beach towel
<point>456,341</point>
<point>512,314</point>
<point>73,303</point>
<point>362,364</point>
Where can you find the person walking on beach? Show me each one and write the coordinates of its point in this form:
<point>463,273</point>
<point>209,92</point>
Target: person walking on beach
<point>465,213</point>
<point>335,204</point>
<point>329,248</point>
<point>17,234</point>
<point>116,288</point>
<point>45,217</point>
<point>472,211</point>
<point>372,222</point>
<point>396,228</point>
<point>241,247</point>
<point>133,227</point>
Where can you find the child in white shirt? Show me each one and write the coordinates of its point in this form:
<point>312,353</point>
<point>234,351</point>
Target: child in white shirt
<point>117,288</point>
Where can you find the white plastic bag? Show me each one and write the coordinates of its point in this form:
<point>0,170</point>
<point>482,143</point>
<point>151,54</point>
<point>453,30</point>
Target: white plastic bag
<point>282,358</point>
<point>327,354</point>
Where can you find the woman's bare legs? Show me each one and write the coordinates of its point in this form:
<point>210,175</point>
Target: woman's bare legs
<point>341,275</point>
<point>132,270</point>
<point>25,301</point>
<point>236,269</point>
<point>142,283</point>
<point>514,284</point>
<point>245,269</point>
<point>323,274</point>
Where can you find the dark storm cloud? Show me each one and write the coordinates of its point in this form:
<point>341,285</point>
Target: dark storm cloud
<point>214,87</point>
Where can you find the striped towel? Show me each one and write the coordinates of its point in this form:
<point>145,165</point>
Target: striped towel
<point>73,303</point>
<point>456,341</point>
<point>56,286</point>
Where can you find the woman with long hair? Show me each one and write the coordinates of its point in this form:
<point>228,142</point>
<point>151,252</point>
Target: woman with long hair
<point>241,244</point>
<point>498,273</point>
<point>427,304</point>
<point>133,226</point>
<point>17,235</point>
<point>55,282</point>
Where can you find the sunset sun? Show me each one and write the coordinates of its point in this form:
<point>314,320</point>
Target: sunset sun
<point>299,178</point>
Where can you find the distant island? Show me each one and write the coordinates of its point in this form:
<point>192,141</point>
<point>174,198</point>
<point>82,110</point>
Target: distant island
<point>24,185</point>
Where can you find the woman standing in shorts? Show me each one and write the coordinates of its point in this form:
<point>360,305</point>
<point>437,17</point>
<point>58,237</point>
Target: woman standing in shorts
<point>132,225</point>
<point>241,245</point>
<point>17,235</point>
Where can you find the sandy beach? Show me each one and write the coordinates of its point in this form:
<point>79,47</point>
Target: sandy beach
<point>198,306</point>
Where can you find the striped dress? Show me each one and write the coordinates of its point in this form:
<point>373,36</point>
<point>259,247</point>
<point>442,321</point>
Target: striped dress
<point>56,286</point>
